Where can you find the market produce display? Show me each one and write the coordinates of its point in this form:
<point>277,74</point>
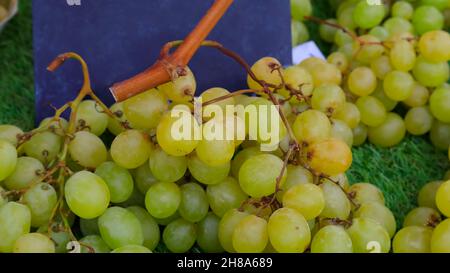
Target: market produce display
<point>66,182</point>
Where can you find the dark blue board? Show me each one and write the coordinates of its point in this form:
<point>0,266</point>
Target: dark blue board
<point>119,38</point>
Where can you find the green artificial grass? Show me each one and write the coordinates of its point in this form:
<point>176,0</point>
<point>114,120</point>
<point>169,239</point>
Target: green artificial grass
<point>399,172</point>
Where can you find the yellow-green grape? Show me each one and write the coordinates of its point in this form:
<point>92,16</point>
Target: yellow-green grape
<point>443,198</point>
<point>87,149</point>
<point>250,235</point>
<point>440,104</point>
<point>371,49</point>
<point>435,46</point>
<point>264,70</point>
<point>430,74</point>
<point>340,179</point>
<point>373,112</point>
<point>327,32</point>
<point>402,56</point>
<point>427,194</point>
<point>337,204</point>
<point>87,195</point>
<point>227,226</point>
<point>206,174</point>
<point>298,78</point>
<point>288,231</point>
<point>439,4</point>
<point>173,144</point>
<point>340,130</point>
<point>10,133</point>
<point>440,239</point>
<point>181,89</point>
<point>43,146</point>
<point>380,32</point>
<point>397,26</point>
<point>412,240</point>
<point>241,157</point>
<point>368,15</point>
<point>34,243</point>
<point>96,244</point>
<point>167,168</point>
<point>330,157</point>
<point>325,73</point>
<point>339,60</point>
<point>145,110</point>
<point>419,96</point>
<point>440,135</point>
<point>422,217</point>
<point>58,126</point>
<point>300,33</point>
<point>296,174</point>
<point>119,181</point>
<point>258,175</point>
<point>311,126</point>
<point>360,134</point>
<point>163,199</point>
<point>427,18</point>
<point>398,85</point>
<point>345,19</point>
<point>15,221</point>
<point>149,227</point>
<point>207,234</point>
<point>26,171</point>
<point>300,9</point>
<point>379,213</point>
<point>328,98</point>
<point>402,9</point>
<point>365,192</point>
<point>132,249</point>
<point>390,133</point>
<point>41,200</point>
<point>349,114</point>
<point>115,124</point>
<point>143,178</point>
<point>418,121</point>
<point>388,103</point>
<point>332,239</point>
<point>343,38</point>
<point>212,94</point>
<point>308,199</point>
<point>381,66</point>
<point>225,196</point>
<point>362,81</point>
<point>194,204</point>
<point>90,116</point>
<point>131,149</point>
<point>215,153</point>
<point>363,231</point>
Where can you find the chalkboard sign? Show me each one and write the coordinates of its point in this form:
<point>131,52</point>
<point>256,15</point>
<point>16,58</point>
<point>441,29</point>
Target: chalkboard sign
<point>120,38</point>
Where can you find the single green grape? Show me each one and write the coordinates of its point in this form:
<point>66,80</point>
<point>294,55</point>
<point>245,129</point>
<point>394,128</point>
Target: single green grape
<point>390,133</point>
<point>10,133</point>
<point>362,81</point>
<point>91,117</point>
<point>143,178</point>
<point>381,66</point>
<point>145,110</point>
<point>380,214</point>
<point>163,199</point>
<point>241,157</point>
<point>380,32</point>
<point>167,168</point>
<point>119,181</point>
<point>15,221</point>
<point>206,174</point>
<point>34,243</point>
<point>27,171</point>
<point>300,9</point>
<point>403,56</point>
<point>208,234</point>
<point>363,231</point>
<point>419,96</point>
<point>440,135</point>
<point>370,49</point>
<point>398,85</point>
<point>418,121</point>
<point>194,204</point>
<point>422,217</point>
<point>340,130</point>
<point>215,153</point>
<point>298,78</point>
<point>41,199</point>
<point>440,239</point>
<point>340,60</point>
<point>328,98</point>
<point>43,146</point>
<point>250,235</point>
<point>373,112</point>
<point>337,204</point>
<point>402,9</point>
<point>427,18</point>
<point>427,194</point>
<point>296,174</point>
<point>311,126</point>
<point>349,114</point>
<point>365,192</point>
<point>263,70</point>
<point>430,74</point>
<point>329,157</point>
<point>412,239</point>
<point>397,26</point>
<point>225,196</point>
<point>149,227</point>
<point>131,149</point>
<point>345,19</point>
<point>435,46</point>
<point>331,239</point>
<point>360,134</point>
<point>89,158</point>
<point>327,32</point>
<point>443,198</point>
<point>308,199</point>
<point>181,89</point>
<point>440,104</point>
<point>116,123</point>
<point>300,33</point>
<point>367,16</point>
<point>180,236</point>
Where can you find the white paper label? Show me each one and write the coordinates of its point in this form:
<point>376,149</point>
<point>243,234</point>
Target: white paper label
<point>305,51</point>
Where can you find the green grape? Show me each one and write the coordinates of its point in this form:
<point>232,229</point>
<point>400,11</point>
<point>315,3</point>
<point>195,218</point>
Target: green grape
<point>115,125</point>
<point>90,116</point>
<point>208,234</point>
<point>227,226</point>
<point>362,81</point>
<point>329,157</point>
<point>15,221</point>
<point>419,96</point>
<point>119,181</point>
<point>170,143</point>
<point>258,175</point>
<point>397,26</point>
<point>87,195</point>
<point>59,237</point>
<point>241,157</point>
<point>427,194</point>
<point>300,33</point>
<point>167,168</point>
<point>145,110</point>
<point>412,240</point>
<point>337,204</point>
<point>120,227</point>
<point>443,198</point>
<point>440,135</point>
<point>422,217</point>
<point>41,200</point>
<point>144,178</point>
<point>89,226</point>
<point>402,9</point>
<point>300,9</point>
<point>388,103</point>
<point>325,73</point>
<point>340,179</point>
<point>345,17</point>
<point>440,4</point>
<point>398,85</point>
<point>359,135</point>
<point>331,239</point>
<point>418,121</point>
<point>181,89</point>
<point>180,236</point>
<point>327,32</point>
<point>440,239</point>
<point>440,104</point>
<point>343,38</point>
<point>373,112</point>
<point>34,243</point>
<point>365,230</point>
<point>58,126</point>
<point>328,98</point>
<point>149,227</point>
<point>206,174</point>
<point>10,133</point>
<point>435,46</point>
<point>296,174</point>
<point>89,158</point>
<point>380,32</point>
<point>429,73</point>
<point>194,204</point>
<point>380,214</point>
<point>131,149</point>
<point>367,16</point>
<point>340,130</point>
<point>390,133</point>
<point>163,199</point>
<point>263,70</point>
<point>311,126</point>
<point>298,78</point>
<point>349,114</point>
<point>370,49</point>
<point>96,243</point>
<point>365,192</point>
<point>308,199</point>
<point>339,60</point>
<point>225,196</point>
<point>288,231</point>
<point>132,249</point>
<point>215,153</point>
<point>27,171</point>
<point>43,146</point>
<point>427,18</point>
<point>215,93</point>
<point>381,66</point>
<point>403,56</point>
<point>250,235</point>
